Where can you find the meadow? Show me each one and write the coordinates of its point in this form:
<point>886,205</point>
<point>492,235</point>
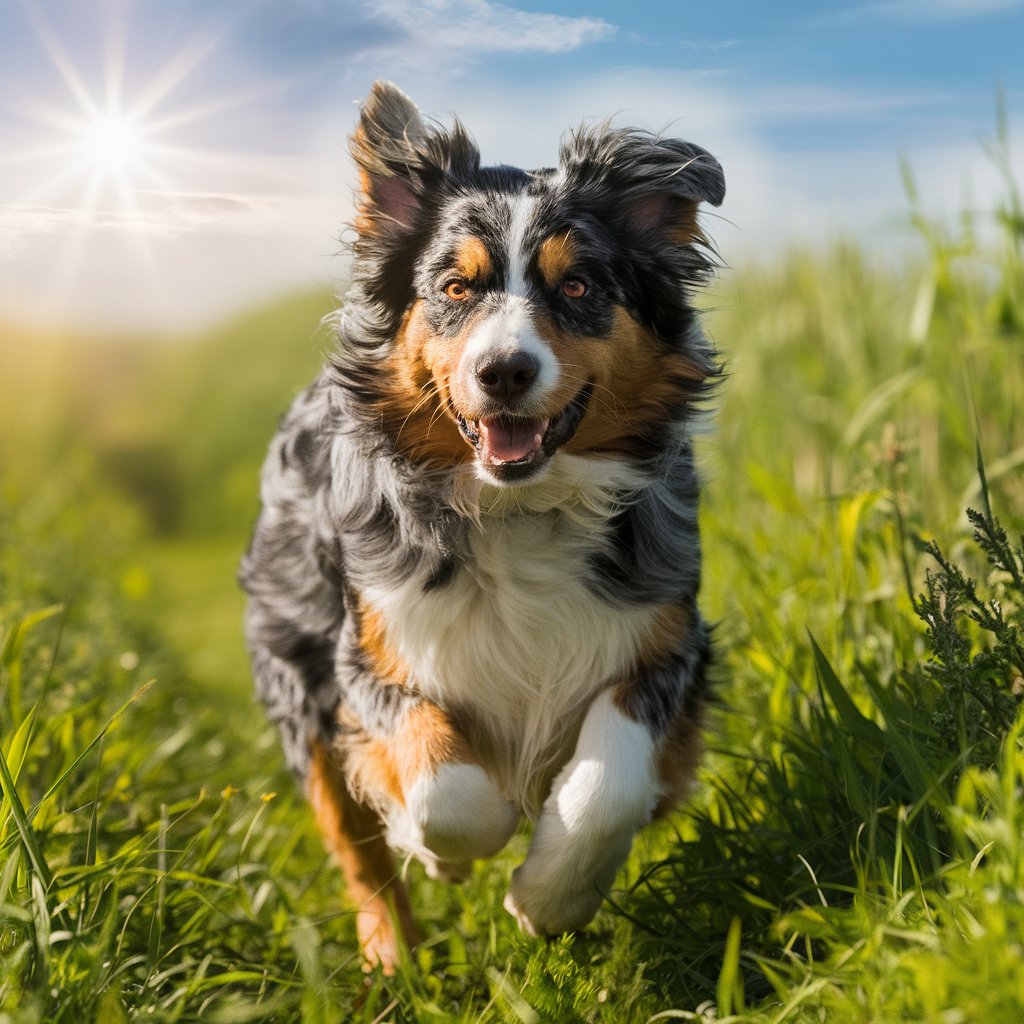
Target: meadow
<point>855,849</point>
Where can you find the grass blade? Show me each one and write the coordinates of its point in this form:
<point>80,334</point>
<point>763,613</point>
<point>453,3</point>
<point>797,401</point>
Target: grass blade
<point>729,991</point>
<point>16,752</point>
<point>98,738</point>
<point>859,725</point>
<point>10,656</point>
<point>29,839</point>
<point>983,479</point>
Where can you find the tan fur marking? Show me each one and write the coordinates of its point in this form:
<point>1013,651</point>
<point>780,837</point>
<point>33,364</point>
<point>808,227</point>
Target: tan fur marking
<point>387,664</point>
<point>671,623</point>
<point>374,772</point>
<point>384,769</point>
<point>680,753</point>
<point>354,834</point>
<point>556,257</point>
<point>663,639</point>
<point>363,222</point>
<point>361,152</point>
<point>637,381</point>
<point>682,745</point>
<point>429,740</point>
<point>473,261</point>
<point>414,410</point>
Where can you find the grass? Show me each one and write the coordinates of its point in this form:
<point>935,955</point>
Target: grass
<point>855,851</point>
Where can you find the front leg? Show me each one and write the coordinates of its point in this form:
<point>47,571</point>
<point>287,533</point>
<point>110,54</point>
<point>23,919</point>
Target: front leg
<point>602,796</point>
<point>436,800</point>
<point>405,757</point>
<point>635,755</point>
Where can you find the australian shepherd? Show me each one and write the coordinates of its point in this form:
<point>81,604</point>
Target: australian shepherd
<point>473,583</point>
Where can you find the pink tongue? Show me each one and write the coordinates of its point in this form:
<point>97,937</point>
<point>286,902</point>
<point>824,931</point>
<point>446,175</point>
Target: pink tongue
<point>509,440</point>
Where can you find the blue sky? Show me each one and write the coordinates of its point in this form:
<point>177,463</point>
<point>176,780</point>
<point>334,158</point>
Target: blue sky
<point>166,161</point>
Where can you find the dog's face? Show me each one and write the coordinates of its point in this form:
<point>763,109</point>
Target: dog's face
<point>523,313</point>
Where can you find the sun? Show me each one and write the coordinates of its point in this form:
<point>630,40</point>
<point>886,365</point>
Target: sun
<point>112,143</point>
<point>112,151</point>
<point>102,148</point>
<point>100,144</point>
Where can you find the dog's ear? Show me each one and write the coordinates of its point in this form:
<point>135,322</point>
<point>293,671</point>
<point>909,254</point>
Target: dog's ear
<point>401,160</point>
<point>387,147</point>
<point>663,198</point>
<point>651,186</point>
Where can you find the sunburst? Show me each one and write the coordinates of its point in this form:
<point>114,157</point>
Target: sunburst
<point>95,142</point>
<point>96,153</point>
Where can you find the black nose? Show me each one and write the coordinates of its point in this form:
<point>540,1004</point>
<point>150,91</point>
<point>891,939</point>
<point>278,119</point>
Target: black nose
<point>507,376</point>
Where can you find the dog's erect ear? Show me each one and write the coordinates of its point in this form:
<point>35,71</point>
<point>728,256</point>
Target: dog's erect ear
<point>654,185</point>
<point>401,160</point>
<point>387,146</point>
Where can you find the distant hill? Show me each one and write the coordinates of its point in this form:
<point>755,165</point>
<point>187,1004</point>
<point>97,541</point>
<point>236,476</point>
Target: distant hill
<point>180,426</point>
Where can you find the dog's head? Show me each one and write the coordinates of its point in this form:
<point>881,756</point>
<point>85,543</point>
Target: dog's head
<point>501,315</point>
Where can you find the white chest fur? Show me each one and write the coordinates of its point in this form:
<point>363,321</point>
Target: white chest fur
<point>516,641</point>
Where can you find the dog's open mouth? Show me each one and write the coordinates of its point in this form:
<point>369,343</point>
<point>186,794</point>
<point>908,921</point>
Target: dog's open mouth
<point>504,441</point>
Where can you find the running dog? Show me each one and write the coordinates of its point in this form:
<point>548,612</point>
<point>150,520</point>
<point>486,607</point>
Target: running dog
<point>473,583</point>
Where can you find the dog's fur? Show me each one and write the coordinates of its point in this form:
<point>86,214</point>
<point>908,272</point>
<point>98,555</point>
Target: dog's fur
<point>473,582</point>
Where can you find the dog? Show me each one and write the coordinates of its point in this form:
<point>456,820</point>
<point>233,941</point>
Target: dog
<point>472,586</point>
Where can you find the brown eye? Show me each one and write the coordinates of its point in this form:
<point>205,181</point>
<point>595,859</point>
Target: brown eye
<point>574,288</point>
<point>457,290</point>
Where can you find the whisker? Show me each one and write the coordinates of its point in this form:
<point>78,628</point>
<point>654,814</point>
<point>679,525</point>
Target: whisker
<point>440,410</point>
<point>432,393</point>
<point>613,410</point>
<point>586,380</point>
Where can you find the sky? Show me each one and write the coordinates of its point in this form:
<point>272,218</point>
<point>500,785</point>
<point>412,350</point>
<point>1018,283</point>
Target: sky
<point>164,163</point>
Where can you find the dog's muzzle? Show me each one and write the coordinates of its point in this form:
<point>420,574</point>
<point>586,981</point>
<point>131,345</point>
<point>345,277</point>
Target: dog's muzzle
<point>513,448</point>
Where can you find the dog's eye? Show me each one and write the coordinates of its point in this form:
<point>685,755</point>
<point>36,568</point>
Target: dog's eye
<point>457,290</point>
<point>574,288</point>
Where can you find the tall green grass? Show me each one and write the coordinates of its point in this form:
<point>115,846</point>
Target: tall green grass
<point>855,849</point>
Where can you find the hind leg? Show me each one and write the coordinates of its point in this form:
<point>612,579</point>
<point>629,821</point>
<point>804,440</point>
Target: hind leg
<point>355,835</point>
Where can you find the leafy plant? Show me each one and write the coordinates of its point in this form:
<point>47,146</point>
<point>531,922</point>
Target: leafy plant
<point>980,689</point>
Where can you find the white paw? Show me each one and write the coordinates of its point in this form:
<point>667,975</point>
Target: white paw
<point>452,818</point>
<point>525,924</point>
<point>462,813</point>
<point>565,894</point>
<point>543,915</point>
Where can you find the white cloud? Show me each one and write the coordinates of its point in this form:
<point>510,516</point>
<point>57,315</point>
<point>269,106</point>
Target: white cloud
<point>799,102</point>
<point>714,46</point>
<point>149,213</point>
<point>479,26</point>
<point>182,211</point>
